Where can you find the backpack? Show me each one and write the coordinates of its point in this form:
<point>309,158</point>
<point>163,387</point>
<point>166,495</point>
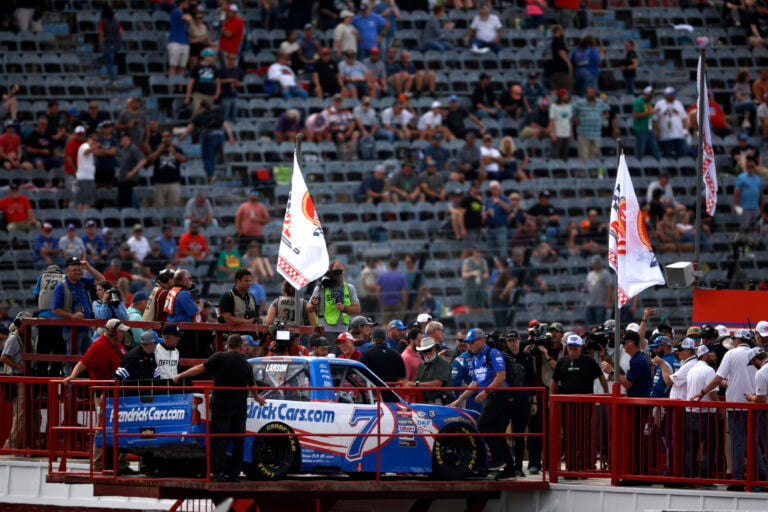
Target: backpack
<point>515,372</point>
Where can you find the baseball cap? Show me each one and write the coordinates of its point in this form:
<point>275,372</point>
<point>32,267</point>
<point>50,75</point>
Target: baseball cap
<point>544,193</point>
<point>484,75</point>
<point>556,326</point>
<point>248,340</point>
<point>511,334</point>
<point>648,90</point>
<point>138,227</point>
<point>756,353</point>
<point>533,74</point>
<point>424,318</point>
<point>254,192</point>
<point>74,112</point>
<point>9,122</point>
<point>436,104</point>
<point>232,7</point>
<point>453,97</point>
<point>474,334</point>
<point>633,327</point>
<point>71,227</point>
<point>574,339</point>
<point>426,344</point>
<point>71,261</point>
<point>116,323</point>
<point>375,49</point>
<point>631,336</point>
<point>307,26</point>
<point>703,350</point>
<point>694,332</point>
<point>743,333</point>
<point>140,296</point>
<point>397,324</point>
<point>544,101</point>
<point>561,92</point>
<point>366,100</point>
<point>345,336</point>
<point>743,136</point>
<point>585,223</point>
<point>13,185</point>
<point>762,328</point>
<point>47,226</point>
<point>320,341</point>
<point>687,344</point>
<point>345,13</point>
<point>661,340</point>
<point>79,129</point>
<point>90,224</point>
<point>437,136</point>
<point>379,333</point>
<point>670,91</point>
<point>171,329</point>
<point>148,337</point>
<point>360,320</point>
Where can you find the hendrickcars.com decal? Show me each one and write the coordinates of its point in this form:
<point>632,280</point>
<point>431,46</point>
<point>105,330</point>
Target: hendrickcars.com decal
<point>285,412</point>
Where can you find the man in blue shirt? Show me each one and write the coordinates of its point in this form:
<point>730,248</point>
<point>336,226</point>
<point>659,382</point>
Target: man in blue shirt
<point>95,245</point>
<point>495,212</point>
<point>393,289</point>
<point>637,381</point>
<point>181,307</point>
<point>71,300</point>
<point>371,28</point>
<point>178,40</point>
<point>489,370</point>
<point>748,197</point>
<point>395,333</point>
<point>46,248</point>
<point>662,346</point>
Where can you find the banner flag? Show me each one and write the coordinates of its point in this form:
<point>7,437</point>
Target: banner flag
<point>303,254</point>
<point>709,172</point>
<point>630,253</point>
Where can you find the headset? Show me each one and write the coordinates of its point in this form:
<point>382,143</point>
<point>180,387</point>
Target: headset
<point>19,317</point>
<point>165,275</point>
<point>112,333</point>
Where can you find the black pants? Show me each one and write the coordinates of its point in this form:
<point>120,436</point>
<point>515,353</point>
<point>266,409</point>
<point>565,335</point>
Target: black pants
<point>535,426</point>
<point>125,194</point>
<point>227,423</point>
<point>49,341</point>
<point>520,412</point>
<point>494,418</point>
<point>188,345</point>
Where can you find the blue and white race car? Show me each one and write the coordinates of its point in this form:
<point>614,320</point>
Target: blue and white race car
<point>339,426</point>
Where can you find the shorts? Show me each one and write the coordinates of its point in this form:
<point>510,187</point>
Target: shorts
<point>86,192</point>
<point>178,54</point>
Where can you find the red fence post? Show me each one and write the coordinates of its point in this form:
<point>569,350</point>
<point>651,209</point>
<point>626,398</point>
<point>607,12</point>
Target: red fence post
<point>554,438</point>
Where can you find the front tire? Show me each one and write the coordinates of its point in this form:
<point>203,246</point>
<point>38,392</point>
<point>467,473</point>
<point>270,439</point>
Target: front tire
<point>455,457</point>
<point>273,457</point>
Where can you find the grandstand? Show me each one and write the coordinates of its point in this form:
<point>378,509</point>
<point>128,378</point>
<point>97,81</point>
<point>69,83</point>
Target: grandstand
<point>62,63</point>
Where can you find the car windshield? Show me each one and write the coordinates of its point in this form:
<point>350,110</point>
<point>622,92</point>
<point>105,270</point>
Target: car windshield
<point>279,375</point>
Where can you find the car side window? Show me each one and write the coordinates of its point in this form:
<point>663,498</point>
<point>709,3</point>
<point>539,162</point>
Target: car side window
<point>353,385</point>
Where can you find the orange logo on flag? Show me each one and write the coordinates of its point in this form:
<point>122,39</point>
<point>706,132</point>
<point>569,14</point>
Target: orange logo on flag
<point>308,208</point>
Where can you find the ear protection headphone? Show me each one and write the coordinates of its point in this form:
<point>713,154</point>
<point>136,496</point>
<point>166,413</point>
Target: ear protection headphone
<point>113,332</point>
<point>19,317</point>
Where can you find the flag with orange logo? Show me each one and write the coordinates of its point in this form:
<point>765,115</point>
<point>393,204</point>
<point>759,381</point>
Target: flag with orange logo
<point>630,253</point>
<point>303,255</point>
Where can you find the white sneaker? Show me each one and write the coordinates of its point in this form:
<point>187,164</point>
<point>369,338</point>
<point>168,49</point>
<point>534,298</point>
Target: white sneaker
<point>746,123</point>
<point>479,51</point>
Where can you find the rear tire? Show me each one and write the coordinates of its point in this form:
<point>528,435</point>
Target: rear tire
<point>273,457</point>
<point>456,457</point>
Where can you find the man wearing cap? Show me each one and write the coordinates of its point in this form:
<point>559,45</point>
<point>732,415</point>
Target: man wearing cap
<point>405,185</point>
<point>395,334</point>
<point>250,346</point>
<point>95,245</point>
<point>345,343</point>
<point>345,35</point>
<point>761,333</point>
<point>748,197</point>
<point>139,363</point>
<point>135,312</point>
<point>232,32</point>
<point>154,311</point>
<point>71,300</point>
<point>106,155</point>
<point>229,406</point>
<point>701,425</point>
<point>250,219</point>
<point>367,120</point>
<point>283,77</point>
<point>319,346</point>
<point>637,380</point>
<point>356,80</point>
<point>383,360</point>
<point>371,29</point>
<point>182,307</point>
<point>17,210</point>
<point>662,346</point>
<point>671,124</point>
<point>741,382</point>
<point>70,245</point>
<point>485,31</point>
<point>757,359</point>
<point>138,243</point>
<point>488,369</point>
<point>166,352</point>
<point>46,248</point>
<point>522,410</point>
<point>101,361</point>
<point>166,178</point>
<point>12,359</point>
<point>335,303</point>
<point>360,327</point>
<point>433,372</point>
<point>495,214</point>
<point>41,150</point>
<point>575,373</point>
<point>642,125</point>
<point>537,122</point>
<point>484,99</point>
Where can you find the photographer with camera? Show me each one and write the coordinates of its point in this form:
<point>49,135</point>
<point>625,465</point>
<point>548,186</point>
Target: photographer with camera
<point>109,303</point>
<point>181,306</point>
<point>335,301</point>
<point>238,306</point>
<point>282,339</point>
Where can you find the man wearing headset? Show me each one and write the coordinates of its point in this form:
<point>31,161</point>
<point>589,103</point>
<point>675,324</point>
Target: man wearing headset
<point>101,361</point>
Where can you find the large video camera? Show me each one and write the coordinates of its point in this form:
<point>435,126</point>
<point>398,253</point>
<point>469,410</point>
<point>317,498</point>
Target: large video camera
<point>539,335</point>
<point>493,339</point>
<point>330,276</point>
<point>280,336</point>
<point>598,340</point>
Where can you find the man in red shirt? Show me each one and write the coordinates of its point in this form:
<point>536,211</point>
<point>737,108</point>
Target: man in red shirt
<point>232,31</point>
<point>101,360</point>
<point>346,344</point>
<point>10,148</point>
<point>70,156</point>
<point>115,272</point>
<point>18,211</point>
<point>250,219</point>
<point>192,245</point>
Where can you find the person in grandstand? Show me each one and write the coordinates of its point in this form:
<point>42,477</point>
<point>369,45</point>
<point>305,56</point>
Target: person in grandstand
<point>228,406</point>
<point>334,301</point>
<point>166,178</point>
<point>488,369</point>
<point>70,299</point>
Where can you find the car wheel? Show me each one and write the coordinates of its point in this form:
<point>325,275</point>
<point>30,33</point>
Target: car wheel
<point>273,457</point>
<point>455,457</point>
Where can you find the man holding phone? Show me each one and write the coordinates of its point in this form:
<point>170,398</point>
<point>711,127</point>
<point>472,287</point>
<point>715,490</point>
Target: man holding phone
<point>166,177</point>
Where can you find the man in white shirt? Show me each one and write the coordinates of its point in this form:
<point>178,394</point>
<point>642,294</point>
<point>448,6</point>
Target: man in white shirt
<point>679,379</point>
<point>485,31</point>
<point>671,124</point>
<point>741,382</point>
<point>701,422</point>
<point>396,120</point>
<point>282,74</point>
<point>761,333</point>
<point>761,391</point>
<point>490,157</point>
<point>431,122</point>
<point>138,243</point>
<point>86,171</point>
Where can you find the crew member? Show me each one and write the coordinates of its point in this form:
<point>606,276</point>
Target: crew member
<point>521,409</point>
<point>238,306</point>
<point>11,357</point>
<point>228,406</point>
<point>166,353</point>
<point>488,370</point>
<point>334,302</point>
<point>382,360</point>
<point>181,307</point>
<point>139,363</point>
<point>283,308</point>
<point>155,311</point>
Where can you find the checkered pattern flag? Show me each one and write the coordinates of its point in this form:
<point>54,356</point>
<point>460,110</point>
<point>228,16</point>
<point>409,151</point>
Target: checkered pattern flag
<point>303,255</point>
<point>708,170</point>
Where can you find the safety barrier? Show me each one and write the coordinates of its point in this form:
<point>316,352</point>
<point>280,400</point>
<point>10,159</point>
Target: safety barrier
<point>644,441</point>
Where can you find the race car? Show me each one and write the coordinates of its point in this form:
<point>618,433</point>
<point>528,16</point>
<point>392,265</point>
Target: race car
<point>336,426</point>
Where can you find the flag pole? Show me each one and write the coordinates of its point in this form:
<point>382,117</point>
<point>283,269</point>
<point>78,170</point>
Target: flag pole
<point>699,164</point>
<point>617,308</point>
<point>297,293</point>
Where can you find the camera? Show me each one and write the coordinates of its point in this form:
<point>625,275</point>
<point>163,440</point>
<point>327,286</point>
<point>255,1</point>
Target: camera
<point>113,297</point>
<point>539,335</point>
<point>598,340</point>
<point>493,339</point>
<point>330,276</point>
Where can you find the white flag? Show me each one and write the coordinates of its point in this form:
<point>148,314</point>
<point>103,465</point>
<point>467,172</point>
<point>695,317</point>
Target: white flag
<point>303,255</point>
<point>629,248</point>
<point>708,170</point>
